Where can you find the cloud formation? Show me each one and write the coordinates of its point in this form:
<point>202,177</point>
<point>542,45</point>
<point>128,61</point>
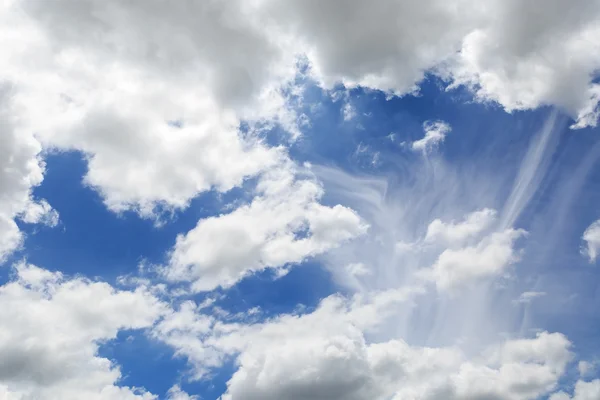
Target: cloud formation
<point>284,224</point>
<point>166,101</point>
<point>50,331</point>
<point>325,355</point>
<point>21,170</point>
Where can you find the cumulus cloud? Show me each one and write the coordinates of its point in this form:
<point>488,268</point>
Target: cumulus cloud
<point>140,90</point>
<point>467,251</point>
<point>591,237</point>
<point>50,329</point>
<point>344,367</point>
<point>110,81</point>
<point>453,232</point>
<point>153,95</point>
<point>175,393</point>
<point>435,133</point>
<point>583,391</point>
<point>510,52</point>
<point>207,340</point>
<point>325,355</point>
<point>21,169</point>
<point>457,267</point>
<point>284,223</point>
<point>517,57</point>
<point>155,110</point>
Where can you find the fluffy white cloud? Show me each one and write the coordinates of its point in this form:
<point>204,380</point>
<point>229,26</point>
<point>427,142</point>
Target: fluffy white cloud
<point>516,56</point>
<point>591,236</point>
<point>50,329</point>
<point>152,103</point>
<point>325,355</point>
<point>511,52</point>
<point>21,169</point>
<point>153,93</point>
<point>175,393</point>
<point>583,391</point>
<point>386,46</point>
<point>206,339</point>
<point>344,367</point>
<point>466,251</point>
<point>284,223</point>
<point>435,133</point>
<point>456,233</point>
<point>455,268</point>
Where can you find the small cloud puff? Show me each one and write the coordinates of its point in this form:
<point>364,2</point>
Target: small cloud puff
<point>435,133</point>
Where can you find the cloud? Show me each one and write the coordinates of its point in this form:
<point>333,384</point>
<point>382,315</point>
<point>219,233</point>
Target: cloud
<point>467,251</point>
<point>156,110</point>
<point>583,391</point>
<point>591,236</point>
<point>325,355</point>
<point>284,224</point>
<point>455,268</point>
<point>508,52</point>
<point>384,47</point>
<point>140,90</point>
<point>453,233</point>
<point>435,133</point>
<point>112,83</point>
<point>50,331</point>
<point>175,393</point>
<point>207,340</point>
<point>344,367</point>
<point>516,58</point>
<point>21,169</point>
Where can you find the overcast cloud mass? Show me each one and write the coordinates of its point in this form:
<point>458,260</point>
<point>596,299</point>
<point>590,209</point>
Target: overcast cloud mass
<point>302,199</point>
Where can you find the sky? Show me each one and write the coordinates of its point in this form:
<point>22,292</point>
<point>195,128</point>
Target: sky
<point>268,200</point>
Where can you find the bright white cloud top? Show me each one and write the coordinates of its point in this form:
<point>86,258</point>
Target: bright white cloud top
<point>435,161</point>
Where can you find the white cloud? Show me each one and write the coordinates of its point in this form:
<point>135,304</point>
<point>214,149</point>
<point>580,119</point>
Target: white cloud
<point>207,341</point>
<point>50,329</point>
<point>516,56</point>
<point>583,391</point>
<point>435,133</point>
<point>456,233</point>
<point>345,367</point>
<point>155,105</point>
<point>510,52</point>
<point>284,223</point>
<point>591,236</point>
<point>325,355</point>
<point>467,251</point>
<point>21,169</point>
<point>528,297</point>
<point>155,108</point>
<point>40,212</point>
<point>175,393</point>
<point>386,46</point>
<point>455,268</point>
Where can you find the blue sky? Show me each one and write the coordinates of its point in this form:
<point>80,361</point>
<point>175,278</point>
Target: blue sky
<point>349,206</point>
